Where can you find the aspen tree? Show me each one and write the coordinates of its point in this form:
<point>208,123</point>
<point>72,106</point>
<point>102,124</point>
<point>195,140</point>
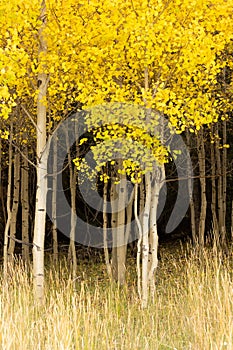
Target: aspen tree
<point>41,191</point>
<point>24,198</point>
<point>8,205</point>
<point>202,170</point>
<point>191,199</point>
<point>73,220</point>
<point>54,203</point>
<point>213,188</point>
<point>15,205</point>
<point>105,227</point>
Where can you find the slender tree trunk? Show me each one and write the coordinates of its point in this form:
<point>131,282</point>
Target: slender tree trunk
<point>221,169</point>
<point>1,185</point>
<point>54,203</point>
<point>73,220</point>
<point>41,192</point>
<point>15,206</point>
<point>145,240</point>
<point>121,243</point>
<point>139,244</point>
<point>146,216</point>
<point>191,200</point>
<point>214,194</point>
<point>73,217</point>
<point>105,227</point>
<point>129,211</point>
<point>113,200</point>
<point>8,205</point>
<point>154,239</point>
<point>142,196</point>
<point>201,160</point>
<point>224,174</point>
<point>232,221</point>
<point>118,201</point>
<point>220,187</point>
<point>25,205</point>
<point>224,187</point>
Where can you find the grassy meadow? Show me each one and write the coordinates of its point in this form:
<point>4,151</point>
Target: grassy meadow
<point>192,307</point>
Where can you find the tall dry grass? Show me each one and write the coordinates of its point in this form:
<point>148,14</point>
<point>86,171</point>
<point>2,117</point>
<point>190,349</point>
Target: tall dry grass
<point>192,308</point>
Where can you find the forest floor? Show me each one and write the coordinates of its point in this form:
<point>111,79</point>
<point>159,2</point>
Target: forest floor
<point>192,307</point>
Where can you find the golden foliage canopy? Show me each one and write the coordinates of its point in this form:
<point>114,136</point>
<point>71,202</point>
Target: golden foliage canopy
<point>165,54</point>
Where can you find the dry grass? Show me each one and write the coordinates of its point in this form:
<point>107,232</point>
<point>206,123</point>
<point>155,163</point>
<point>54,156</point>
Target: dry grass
<point>192,308</point>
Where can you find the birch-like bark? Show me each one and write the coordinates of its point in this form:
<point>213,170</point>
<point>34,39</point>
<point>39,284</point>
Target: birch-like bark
<point>73,215</point>
<point>145,239</point>
<point>221,192</point>
<point>139,243</point>
<point>15,206</point>
<point>105,228</point>
<point>129,212</point>
<point>73,220</point>
<point>224,187</point>
<point>224,174</point>
<point>146,218</point>
<point>213,191</point>
<point>142,197</point>
<point>121,244</point>
<point>118,200</point>
<point>54,203</point>
<point>219,172</point>
<point>1,186</point>
<point>113,200</point>
<point>25,205</point>
<point>159,175</point>
<point>202,171</point>
<point>191,200</point>
<point>8,205</point>
<point>41,192</point>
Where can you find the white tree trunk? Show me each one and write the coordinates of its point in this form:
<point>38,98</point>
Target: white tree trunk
<point>25,206</point>
<point>224,176</point>
<point>221,162</point>
<point>220,184</point>
<point>73,221</point>
<point>213,192</point>
<point>224,188</point>
<point>159,175</point>
<point>142,198</point>
<point>41,192</point>
<point>105,227</point>
<point>129,211</point>
<point>191,200</point>
<point>113,200</point>
<point>201,159</point>
<point>39,230</point>
<point>145,239</point>
<point>8,205</point>
<point>139,244</point>
<point>15,206</point>
<point>54,202</point>
<point>121,244</point>
<point>1,186</point>
<point>73,215</point>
